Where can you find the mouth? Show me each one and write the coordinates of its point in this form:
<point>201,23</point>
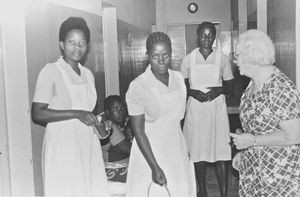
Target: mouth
<point>77,53</point>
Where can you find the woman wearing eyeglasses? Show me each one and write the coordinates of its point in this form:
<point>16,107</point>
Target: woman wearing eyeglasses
<point>269,162</point>
<point>63,101</point>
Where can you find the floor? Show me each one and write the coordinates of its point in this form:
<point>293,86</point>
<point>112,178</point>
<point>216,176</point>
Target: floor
<point>212,183</point>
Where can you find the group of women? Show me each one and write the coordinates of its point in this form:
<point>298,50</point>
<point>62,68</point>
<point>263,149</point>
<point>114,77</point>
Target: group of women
<point>162,156</point>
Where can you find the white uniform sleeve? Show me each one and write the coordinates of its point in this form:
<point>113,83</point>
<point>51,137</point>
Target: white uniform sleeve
<point>135,99</point>
<point>186,66</point>
<point>226,69</point>
<point>45,86</point>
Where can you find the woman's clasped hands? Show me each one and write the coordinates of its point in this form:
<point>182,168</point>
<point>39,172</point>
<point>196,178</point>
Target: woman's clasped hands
<point>213,93</point>
<point>199,95</point>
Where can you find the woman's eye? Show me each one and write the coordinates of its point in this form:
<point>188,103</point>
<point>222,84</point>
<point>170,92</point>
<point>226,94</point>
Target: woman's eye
<point>74,43</point>
<point>154,56</point>
<point>166,55</point>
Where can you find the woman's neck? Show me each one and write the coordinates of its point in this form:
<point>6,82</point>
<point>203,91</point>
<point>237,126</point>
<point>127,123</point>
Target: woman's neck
<point>205,52</point>
<point>73,64</point>
<point>164,78</point>
<point>262,76</point>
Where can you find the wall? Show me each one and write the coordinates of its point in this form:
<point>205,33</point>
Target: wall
<point>175,11</point>
<point>134,24</point>
<point>15,129</point>
<point>298,44</point>
<point>281,28</point>
<point>140,14</point>
<point>131,49</point>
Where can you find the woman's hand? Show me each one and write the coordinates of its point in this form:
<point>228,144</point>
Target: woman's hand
<point>158,176</point>
<point>243,140</point>
<point>104,128</point>
<point>86,117</point>
<point>214,92</point>
<point>198,95</point>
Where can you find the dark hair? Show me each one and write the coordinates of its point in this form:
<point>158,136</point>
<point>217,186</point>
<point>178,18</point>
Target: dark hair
<point>74,23</point>
<point>208,25</point>
<point>108,101</point>
<point>157,37</point>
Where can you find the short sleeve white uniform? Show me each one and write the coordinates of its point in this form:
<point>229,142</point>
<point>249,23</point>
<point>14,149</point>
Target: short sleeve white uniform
<point>72,157</point>
<point>206,125</point>
<point>163,108</point>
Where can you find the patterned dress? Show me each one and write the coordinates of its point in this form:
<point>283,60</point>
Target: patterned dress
<point>270,171</point>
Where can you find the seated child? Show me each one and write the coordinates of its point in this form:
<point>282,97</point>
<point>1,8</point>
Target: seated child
<point>117,146</point>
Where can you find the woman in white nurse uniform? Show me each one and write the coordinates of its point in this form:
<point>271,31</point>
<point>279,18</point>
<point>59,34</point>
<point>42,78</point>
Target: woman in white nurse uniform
<point>206,125</point>
<point>63,100</point>
<point>159,162</point>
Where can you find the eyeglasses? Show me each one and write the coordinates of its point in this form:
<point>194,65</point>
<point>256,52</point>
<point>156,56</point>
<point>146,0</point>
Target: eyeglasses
<point>73,43</point>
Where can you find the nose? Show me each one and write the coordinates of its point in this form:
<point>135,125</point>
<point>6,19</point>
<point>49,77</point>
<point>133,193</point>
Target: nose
<point>160,59</point>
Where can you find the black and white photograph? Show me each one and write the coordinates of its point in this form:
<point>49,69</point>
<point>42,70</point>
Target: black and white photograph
<point>150,98</point>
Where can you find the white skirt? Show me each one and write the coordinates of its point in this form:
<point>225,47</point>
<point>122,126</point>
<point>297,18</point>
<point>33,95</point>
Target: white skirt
<point>206,128</point>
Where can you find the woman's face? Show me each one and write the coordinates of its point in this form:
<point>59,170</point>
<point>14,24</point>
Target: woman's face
<point>206,38</point>
<point>242,63</point>
<point>160,58</point>
<point>116,112</point>
<point>74,46</point>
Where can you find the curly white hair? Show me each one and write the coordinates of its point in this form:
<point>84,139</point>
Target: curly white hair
<point>256,48</point>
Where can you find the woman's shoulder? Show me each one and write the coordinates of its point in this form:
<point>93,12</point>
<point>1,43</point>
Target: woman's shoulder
<point>137,86</point>
<point>49,69</point>
<point>86,70</point>
<point>177,74</point>
<point>280,79</point>
<point>139,81</point>
<point>281,84</point>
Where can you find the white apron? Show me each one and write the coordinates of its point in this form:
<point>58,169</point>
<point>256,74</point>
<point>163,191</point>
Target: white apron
<point>73,163</point>
<point>169,148</point>
<point>206,125</point>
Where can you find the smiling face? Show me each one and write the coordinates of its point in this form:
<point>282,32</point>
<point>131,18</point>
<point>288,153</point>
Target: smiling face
<point>206,38</point>
<point>160,58</point>
<point>74,46</point>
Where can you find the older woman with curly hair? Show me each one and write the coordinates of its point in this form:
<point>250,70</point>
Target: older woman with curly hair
<point>269,162</point>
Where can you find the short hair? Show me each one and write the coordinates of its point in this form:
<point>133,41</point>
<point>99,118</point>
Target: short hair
<point>207,24</point>
<point>71,24</point>
<point>108,101</point>
<point>158,37</point>
<point>257,47</point>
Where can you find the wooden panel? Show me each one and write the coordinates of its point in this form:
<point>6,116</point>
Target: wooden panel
<point>132,57</point>
<point>178,39</point>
